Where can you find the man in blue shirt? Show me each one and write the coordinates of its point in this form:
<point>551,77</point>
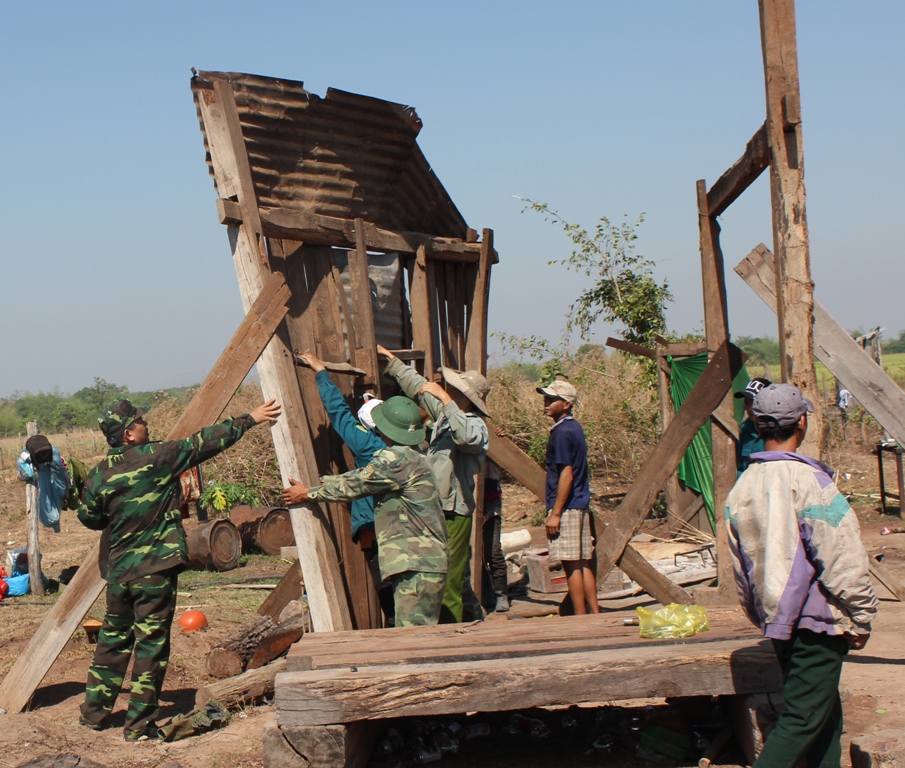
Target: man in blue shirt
<point>568,496</point>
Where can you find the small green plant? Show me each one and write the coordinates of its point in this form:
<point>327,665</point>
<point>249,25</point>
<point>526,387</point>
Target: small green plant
<point>221,496</point>
<point>537,519</point>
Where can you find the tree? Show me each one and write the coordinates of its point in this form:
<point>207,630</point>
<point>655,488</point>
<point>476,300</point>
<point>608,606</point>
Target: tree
<point>100,395</point>
<point>624,289</point>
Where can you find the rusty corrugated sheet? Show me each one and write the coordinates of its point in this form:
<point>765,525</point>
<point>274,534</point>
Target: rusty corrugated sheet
<point>342,155</point>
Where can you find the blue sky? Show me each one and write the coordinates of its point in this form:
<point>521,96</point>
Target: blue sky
<point>114,264</point>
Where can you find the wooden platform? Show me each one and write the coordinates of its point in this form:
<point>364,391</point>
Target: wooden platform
<point>346,678</point>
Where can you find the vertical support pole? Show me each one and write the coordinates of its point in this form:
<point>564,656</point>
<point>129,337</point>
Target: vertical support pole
<point>794,287</point>
<point>882,481</point>
<point>716,327</point>
<point>35,583</point>
<point>900,478</point>
<point>317,554</point>
<point>366,354</point>
<point>422,317</point>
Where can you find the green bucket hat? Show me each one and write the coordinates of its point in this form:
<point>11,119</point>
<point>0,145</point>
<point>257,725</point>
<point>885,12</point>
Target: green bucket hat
<point>400,420</point>
<point>118,418</point>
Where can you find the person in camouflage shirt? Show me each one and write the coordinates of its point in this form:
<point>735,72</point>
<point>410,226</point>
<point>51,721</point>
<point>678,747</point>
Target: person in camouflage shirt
<point>411,531</point>
<point>133,496</point>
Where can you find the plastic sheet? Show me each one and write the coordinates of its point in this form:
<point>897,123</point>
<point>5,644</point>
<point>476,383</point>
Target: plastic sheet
<point>673,621</point>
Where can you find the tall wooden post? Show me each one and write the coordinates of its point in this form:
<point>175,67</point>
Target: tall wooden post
<point>317,553</point>
<point>794,287</point>
<point>35,582</point>
<point>716,327</point>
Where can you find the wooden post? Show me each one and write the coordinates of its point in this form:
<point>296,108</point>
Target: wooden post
<point>716,326</point>
<point>317,554</point>
<point>794,287</point>
<point>423,318</point>
<point>35,582</point>
<point>366,354</point>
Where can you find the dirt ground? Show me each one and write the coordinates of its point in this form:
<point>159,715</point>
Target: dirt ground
<point>871,684</point>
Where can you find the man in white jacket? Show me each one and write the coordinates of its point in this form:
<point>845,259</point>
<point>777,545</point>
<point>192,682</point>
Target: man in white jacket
<point>802,577</point>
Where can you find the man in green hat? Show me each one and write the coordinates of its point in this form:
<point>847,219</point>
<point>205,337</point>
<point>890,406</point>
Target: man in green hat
<point>133,496</point>
<point>411,532</point>
<point>457,445</point>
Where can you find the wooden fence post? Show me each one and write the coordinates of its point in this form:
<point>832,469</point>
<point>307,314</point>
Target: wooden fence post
<point>35,582</point>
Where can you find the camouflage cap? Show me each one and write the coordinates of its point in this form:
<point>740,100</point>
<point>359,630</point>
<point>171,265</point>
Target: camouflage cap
<point>400,420</point>
<point>118,418</point>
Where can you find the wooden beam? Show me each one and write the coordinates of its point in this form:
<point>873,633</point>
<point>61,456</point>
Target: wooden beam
<point>870,385</point>
<point>704,397</point>
<point>292,442</point>
<point>716,328</point>
<point>632,349</point>
<point>526,471</point>
<point>881,573</point>
<point>366,354</point>
<point>422,317</point>
<point>318,229</point>
<point>794,286</point>
<point>754,161</point>
<point>86,586</point>
<point>243,350</point>
<point>476,347</point>
<point>345,368</point>
<point>729,667</point>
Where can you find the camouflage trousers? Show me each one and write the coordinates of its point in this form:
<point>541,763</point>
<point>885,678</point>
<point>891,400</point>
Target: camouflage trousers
<point>418,597</point>
<point>139,615</point>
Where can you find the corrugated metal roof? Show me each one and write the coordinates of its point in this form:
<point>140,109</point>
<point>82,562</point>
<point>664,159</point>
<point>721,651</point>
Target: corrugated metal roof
<point>342,155</point>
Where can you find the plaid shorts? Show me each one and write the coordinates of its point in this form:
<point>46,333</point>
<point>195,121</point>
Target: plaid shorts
<point>574,539</point>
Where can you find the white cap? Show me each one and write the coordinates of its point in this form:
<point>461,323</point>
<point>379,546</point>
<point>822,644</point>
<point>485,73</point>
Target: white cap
<point>364,413</point>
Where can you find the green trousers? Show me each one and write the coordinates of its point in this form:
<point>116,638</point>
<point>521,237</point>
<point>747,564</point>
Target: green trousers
<point>139,616</point>
<point>811,724</point>
<point>458,538</point>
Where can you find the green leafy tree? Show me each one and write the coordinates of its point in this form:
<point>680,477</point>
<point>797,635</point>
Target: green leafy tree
<point>624,290</point>
<point>100,394</point>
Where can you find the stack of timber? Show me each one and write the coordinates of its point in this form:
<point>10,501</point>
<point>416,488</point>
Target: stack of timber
<point>339,686</point>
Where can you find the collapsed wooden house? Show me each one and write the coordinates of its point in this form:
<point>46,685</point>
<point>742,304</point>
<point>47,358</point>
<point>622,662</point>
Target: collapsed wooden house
<point>342,236</point>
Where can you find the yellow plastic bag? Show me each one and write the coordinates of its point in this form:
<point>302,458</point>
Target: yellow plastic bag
<point>672,621</point>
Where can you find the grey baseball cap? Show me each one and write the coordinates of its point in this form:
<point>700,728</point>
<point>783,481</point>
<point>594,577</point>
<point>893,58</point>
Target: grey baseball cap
<point>780,404</point>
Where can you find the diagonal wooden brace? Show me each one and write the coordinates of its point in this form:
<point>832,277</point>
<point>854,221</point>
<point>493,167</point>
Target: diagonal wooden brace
<point>703,399</point>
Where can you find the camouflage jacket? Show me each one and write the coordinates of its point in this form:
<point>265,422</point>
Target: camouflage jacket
<point>457,442</point>
<point>410,527</point>
<point>135,491</point>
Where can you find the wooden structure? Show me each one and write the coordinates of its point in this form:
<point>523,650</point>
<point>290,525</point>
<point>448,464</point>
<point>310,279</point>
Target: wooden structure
<point>336,689</point>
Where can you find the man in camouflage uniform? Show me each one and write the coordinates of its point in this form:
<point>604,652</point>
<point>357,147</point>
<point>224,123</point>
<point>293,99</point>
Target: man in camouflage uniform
<point>133,495</point>
<point>456,449</point>
<point>411,531</point>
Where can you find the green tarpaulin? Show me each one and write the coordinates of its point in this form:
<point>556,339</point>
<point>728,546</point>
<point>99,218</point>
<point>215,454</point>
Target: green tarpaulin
<point>696,469</point>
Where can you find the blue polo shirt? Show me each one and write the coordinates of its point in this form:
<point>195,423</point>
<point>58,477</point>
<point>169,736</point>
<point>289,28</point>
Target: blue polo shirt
<point>566,446</point>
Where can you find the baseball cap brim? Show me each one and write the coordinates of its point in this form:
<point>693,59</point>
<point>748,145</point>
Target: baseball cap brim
<point>456,380</point>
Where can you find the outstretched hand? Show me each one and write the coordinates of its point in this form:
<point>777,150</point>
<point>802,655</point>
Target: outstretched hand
<point>384,352</point>
<point>268,411</point>
<point>857,642</point>
<point>313,363</point>
<point>296,493</point>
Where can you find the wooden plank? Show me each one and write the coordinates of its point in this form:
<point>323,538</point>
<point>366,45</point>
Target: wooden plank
<point>794,286</point>
<point>422,319</point>
<point>86,586</point>
<point>870,385</point>
<point>454,328</point>
<point>526,471</point>
<point>501,648</point>
<point>706,394</point>
<point>288,589</point>
<point>366,353</point>
<point>881,573</point>
<point>350,370</point>
<point>689,349</point>
<point>318,229</point>
<point>292,443</point>
<point>632,349</point>
<point>753,162</point>
<point>729,667</point>
<point>476,346</point>
<point>716,328</point>
<point>244,348</point>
